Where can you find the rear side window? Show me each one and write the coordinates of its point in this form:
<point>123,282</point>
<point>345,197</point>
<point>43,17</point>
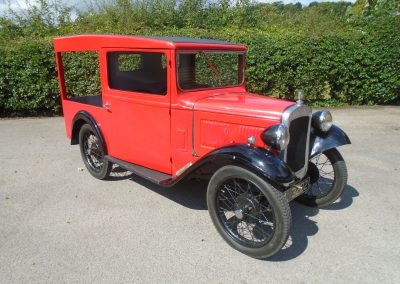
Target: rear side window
<point>143,72</point>
<point>82,77</point>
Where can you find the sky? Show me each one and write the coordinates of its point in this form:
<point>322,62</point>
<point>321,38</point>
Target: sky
<point>18,5</point>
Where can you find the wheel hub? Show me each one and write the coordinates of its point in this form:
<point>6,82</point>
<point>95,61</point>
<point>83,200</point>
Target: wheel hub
<point>246,204</point>
<point>239,213</point>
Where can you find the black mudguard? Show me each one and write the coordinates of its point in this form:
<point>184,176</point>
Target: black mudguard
<point>81,118</point>
<point>321,142</point>
<point>257,160</point>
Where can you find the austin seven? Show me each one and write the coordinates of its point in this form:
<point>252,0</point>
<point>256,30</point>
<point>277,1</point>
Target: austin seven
<point>170,108</point>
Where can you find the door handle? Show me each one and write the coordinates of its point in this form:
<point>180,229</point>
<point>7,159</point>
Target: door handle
<point>106,106</point>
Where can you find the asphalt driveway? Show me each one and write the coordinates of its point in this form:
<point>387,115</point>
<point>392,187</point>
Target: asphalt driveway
<point>60,225</point>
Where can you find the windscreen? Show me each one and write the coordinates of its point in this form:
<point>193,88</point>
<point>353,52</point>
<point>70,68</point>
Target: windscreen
<point>209,69</point>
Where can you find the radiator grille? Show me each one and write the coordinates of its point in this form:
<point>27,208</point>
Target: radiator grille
<point>296,150</point>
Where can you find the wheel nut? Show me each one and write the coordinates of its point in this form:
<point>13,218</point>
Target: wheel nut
<point>239,213</point>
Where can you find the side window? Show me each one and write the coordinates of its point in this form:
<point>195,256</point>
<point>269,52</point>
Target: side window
<point>82,76</point>
<point>129,62</point>
<point>143,72</point>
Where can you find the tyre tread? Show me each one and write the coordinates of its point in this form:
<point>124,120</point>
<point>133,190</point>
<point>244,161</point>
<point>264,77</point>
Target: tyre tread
<point>278,201</point>
<point>107,166</point>
<point>339,184</point>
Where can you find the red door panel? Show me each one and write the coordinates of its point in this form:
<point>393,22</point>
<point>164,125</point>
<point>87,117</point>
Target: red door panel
<point>138,123</point>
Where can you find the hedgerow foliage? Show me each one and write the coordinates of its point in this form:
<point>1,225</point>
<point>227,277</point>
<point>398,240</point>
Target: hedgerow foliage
<point>338,53</point>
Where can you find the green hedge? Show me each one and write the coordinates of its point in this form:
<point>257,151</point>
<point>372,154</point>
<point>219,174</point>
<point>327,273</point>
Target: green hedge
<point>28,78</point>
<point>346,69</point>
<point>81,73</point>
<point>354,68</point>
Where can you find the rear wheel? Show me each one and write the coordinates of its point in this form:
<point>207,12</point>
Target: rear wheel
<point>93,153</point>
<point>250,214</point>
<point>328,179</point>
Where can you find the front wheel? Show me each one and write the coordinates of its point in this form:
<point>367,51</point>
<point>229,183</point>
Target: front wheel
<point>328,179</point>
<point>250,214</point>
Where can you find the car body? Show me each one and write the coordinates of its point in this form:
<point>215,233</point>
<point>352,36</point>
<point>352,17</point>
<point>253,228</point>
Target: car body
<point>156,118</point>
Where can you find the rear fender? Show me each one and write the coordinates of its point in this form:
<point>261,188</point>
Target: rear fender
<point>81,118</point>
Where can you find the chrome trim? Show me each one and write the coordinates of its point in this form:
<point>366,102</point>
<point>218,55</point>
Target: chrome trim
<point>291,113</point>
<point>184,168</point>
<point>194,153</point>
<point>323,121</point>
<point>295,111</point>
<point>251,140</point>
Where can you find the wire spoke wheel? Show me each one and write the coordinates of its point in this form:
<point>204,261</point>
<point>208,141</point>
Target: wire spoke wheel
<point>245,212</point>
<point>93,153</point>
<point>92,150</point>
<point>248,212</point>
<point>322,182</point>
<point>328,179</point>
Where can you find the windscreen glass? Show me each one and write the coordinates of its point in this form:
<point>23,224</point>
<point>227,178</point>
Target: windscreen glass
<point>209,69</point>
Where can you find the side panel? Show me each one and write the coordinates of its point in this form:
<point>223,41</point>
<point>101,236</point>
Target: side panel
<point>181,139</point>
<point>71,109</point>
<point>257,160</point>
<point>195,134</point>
<point>181,125</point>
<point>213,130</point>
<point>138,123</point>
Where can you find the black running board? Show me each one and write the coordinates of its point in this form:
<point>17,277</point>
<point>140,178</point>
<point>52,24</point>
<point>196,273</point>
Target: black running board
<point>146,173</point>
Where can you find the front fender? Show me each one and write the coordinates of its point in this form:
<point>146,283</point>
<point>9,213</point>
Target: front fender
<point>257,160</point>
<point>335,137</point>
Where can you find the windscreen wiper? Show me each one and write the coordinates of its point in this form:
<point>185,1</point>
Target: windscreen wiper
<point>211,65</point>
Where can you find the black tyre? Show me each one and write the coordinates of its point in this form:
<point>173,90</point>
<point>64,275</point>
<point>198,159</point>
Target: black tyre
<point>328,179</point>
<point>250,214</point>
<point>93,153</point>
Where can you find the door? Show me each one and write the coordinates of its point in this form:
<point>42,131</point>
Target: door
<point>136,98</point>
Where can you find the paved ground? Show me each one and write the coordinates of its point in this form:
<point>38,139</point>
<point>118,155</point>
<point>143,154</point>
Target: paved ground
<point>58,224</point>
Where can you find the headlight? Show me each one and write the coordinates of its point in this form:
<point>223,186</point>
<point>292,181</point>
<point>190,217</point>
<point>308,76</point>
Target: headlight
<point>276,136</point>
<point>322,120</point>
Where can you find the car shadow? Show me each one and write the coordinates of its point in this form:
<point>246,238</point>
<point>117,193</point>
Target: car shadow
<point>345,200</point>
<point>303,227</point>
<point>118,173</point>
<point>192,194</point>
<point>188,193</point>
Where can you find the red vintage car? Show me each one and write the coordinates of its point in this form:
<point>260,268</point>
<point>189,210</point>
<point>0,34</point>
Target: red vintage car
<point>171,108</point>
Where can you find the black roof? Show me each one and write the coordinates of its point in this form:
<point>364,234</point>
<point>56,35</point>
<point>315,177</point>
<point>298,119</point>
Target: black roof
<point>189,40</point>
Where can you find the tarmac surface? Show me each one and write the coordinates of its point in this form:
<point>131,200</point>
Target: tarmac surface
<point>58,224</point>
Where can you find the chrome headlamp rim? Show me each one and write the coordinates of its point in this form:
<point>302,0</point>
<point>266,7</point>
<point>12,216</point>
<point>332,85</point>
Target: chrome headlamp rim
<point>276,136</point>
<point>322,120</point>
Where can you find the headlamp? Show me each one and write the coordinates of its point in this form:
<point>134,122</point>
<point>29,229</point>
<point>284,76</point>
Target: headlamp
<point>277,137</point>
<point>322,120</point>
